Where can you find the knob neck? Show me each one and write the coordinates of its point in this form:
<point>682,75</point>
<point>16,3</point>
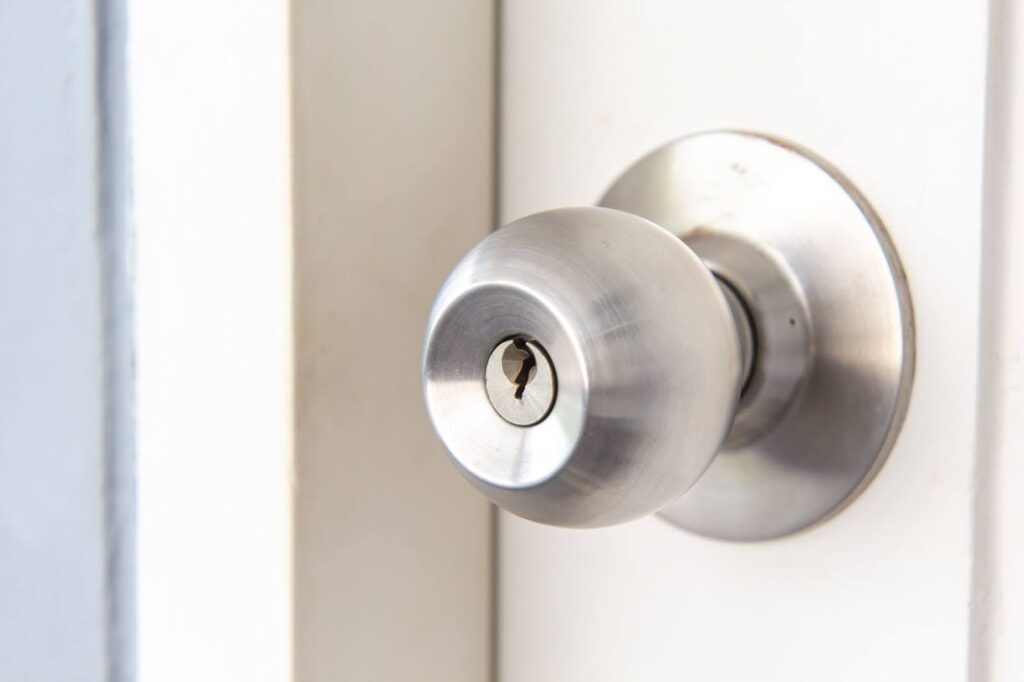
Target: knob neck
<point>745,332</point>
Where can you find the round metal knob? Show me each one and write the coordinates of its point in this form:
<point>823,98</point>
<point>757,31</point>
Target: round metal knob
<point>639,356</point>
<point>727,341</point>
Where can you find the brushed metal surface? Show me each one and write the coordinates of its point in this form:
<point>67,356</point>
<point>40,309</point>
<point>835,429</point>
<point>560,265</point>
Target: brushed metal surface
<point>642,341</point>
<point>733,294</point>
<point>832,317</point>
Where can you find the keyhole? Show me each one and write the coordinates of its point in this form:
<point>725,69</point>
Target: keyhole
<point>519,365</point>
<point>516,364</point>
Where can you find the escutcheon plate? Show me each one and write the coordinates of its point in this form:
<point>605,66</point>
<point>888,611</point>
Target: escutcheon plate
<point>832,319</point>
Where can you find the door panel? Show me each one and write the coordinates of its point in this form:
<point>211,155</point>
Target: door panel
<point>892,94</point>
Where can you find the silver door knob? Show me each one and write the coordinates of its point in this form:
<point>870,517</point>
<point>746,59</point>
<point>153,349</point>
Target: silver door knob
<point>584,366</point>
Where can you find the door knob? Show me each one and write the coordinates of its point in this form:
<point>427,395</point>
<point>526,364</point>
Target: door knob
<point>727,339</point>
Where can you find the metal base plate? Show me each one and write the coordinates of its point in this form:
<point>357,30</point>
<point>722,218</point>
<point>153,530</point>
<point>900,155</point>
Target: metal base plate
<point>832,319</point>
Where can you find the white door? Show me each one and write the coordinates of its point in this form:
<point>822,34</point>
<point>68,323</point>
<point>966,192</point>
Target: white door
<point>894,94</point>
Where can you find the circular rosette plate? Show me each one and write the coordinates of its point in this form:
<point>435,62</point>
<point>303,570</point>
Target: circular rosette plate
<point>832,322</point>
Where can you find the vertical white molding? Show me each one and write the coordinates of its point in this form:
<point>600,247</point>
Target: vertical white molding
<point>997,632</point>
<point>210,103</point>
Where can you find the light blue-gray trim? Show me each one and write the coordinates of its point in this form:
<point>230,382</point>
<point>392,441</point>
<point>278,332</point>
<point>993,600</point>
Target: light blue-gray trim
<point>66,456</point>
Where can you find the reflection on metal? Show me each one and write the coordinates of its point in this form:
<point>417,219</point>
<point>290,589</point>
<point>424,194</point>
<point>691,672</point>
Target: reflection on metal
<point>733,295</point>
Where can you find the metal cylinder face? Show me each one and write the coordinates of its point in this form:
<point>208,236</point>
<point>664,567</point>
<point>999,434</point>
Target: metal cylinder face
<point>520,381</point>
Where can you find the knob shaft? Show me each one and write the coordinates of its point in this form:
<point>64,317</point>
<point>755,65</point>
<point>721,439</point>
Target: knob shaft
<point>641,350</point>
